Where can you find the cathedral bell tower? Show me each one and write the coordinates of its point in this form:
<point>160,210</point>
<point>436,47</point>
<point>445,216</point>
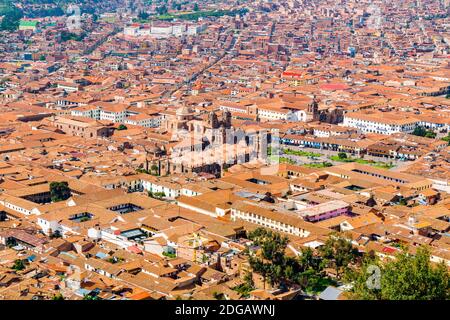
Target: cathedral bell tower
<point>313,109</point>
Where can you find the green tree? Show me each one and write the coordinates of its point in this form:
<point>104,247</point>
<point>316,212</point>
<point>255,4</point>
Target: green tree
<point>59,191</point>
<point>196,7</point>
<point>19,265</point>
<point>271,261</point>
<point>245,288</point>
<point>11,18</point>
<point>66,36</point>
<point>308,260</point>
<point>430,134</point>
<point>11,242</point>
<point>58,296</point>
<point>219,296</point>
<point>419,131</point>
<point>143,15</point>
<point>423,132</point>
<point>154,168</point>
<point>407,277</point>
<point>162,10</point>
<point>122,127</point>
<point>342,155</point>
<point>156,195</point>
<point>338,253</point>
<point>447,139</point>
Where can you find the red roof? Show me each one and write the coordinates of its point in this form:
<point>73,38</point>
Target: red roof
<point>291,74</point>
<point>334,86</point>
<point>389,250</point>
<point>134,249</point>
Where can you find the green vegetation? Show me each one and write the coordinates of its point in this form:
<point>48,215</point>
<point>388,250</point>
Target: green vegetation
<point>114,260</point>
<point>55,235</point>
<point>245,288</point>
<point>66,36</point>
<point>301,153</point>
<point>272,263</point>
<point>423,132</point>
<point>307,270</point>
<point>154,169</point>
<point>122,127</point>
<point>323,164</point>
<point>218,296</point>
<point>338,253</point>
<point>156,195</point>
<point>176,6</point>
<point>286,160</point>
<point>162,10</point>
<point>143,15</point>
<point>342,157</point>
<point>27,23</point>
<point>447,139</point>
<point>11,16</point>
<point>408,277</point>
<point>316,284</point>
<point>163,14</point>
<point>59,191</point>
<point>169,255</point>
<point>19,265</point>
<point>58,296</point>
<point>46,12</point>
<point>11,242</point>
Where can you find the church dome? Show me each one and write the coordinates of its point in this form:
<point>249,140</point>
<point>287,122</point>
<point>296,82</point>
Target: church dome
<point>184,111</point>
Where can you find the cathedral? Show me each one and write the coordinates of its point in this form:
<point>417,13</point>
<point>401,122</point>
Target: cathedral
<point>207,143</point>
<point>332,115</point>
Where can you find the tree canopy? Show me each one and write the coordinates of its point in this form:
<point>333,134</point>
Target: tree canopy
<point>19,265</point>
<point>11,18</point>
<point>143,15</point>
<point>338,253</point>
<point>423,132</point>
<point>407,277</point>
<point>271,261</point>
<point>59,191</point>
<point>161,10</point>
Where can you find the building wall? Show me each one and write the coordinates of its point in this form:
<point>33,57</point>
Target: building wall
<point>378,127</point>
<point>265,222</point>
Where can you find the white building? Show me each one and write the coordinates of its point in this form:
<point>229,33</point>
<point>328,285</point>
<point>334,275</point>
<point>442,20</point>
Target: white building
<point>274,114</point>
<point>278,221</point>
<point>161,30</point>
<point>382,123</point>
<point>170,190</point>
<point>195,29</point>
<point>179,29</point>
<point>144,120</point>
